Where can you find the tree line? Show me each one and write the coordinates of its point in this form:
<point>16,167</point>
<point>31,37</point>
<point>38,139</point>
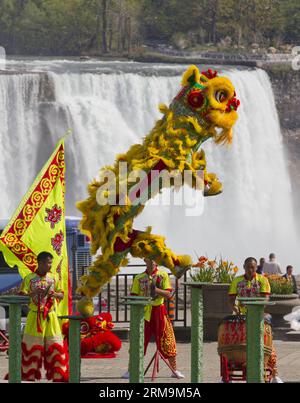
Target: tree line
<point>76,27</point>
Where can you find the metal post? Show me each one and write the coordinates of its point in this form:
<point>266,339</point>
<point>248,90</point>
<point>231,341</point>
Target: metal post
<point>255,344</point>
<point>136,349</point>
<point>197,335</point>
<point>74,347</point>
<point>196,331</point>
<point>74,350</point>
<point>15,353</point>
<point>15,337</point>
<point>255,338</point>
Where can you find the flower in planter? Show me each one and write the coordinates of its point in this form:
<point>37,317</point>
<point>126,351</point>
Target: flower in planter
<point>213,271</point>
<point>203,271</point>
<point>280,285</point>
<point>212,263</point>
<point>225,272</point>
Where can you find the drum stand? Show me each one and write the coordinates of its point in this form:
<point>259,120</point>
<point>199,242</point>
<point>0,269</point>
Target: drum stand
<point>157,355</point>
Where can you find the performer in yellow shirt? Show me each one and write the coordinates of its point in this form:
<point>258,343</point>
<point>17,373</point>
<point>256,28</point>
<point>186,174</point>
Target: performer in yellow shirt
<point>249,285</point>
<point>42,335</point>
<point>155,283</point>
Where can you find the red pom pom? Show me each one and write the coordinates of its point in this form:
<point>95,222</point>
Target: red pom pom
<point>210,74</point>
<point>232,104</point>
<point>196,99</point>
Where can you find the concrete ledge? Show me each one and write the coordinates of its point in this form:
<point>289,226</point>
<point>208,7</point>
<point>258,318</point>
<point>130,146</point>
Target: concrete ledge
<point>161,58</point>
<point>122,333</point>
<point>182,334</point>
<point>293,336</point>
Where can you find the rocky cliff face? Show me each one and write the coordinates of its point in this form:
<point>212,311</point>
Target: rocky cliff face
<point>286,87</point>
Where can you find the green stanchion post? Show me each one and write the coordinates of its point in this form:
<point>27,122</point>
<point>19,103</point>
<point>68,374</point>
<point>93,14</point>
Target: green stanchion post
<point>15,337</point>
<point>136,349</point>
<point>15,353</point>
<point>74,347</point>
<point>196,331</point>
<point>255,338</point>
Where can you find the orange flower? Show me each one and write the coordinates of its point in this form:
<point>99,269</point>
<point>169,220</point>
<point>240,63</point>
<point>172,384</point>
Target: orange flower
<point>212,263</point>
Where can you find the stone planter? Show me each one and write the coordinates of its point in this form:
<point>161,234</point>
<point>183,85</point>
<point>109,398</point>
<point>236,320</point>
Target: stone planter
<point>284,304</point>
<point>215,301</point>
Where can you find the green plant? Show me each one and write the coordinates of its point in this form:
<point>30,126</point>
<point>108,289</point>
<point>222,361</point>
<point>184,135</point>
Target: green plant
<point>280,286</point>
<point>211,271</point>
<point>225,272</point>
<point>203,271</point>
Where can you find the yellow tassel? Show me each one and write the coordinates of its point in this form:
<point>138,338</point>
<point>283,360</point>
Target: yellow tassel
<point>214,189</point>
<point>185,260</point>
<point>163,109</point>
<point>85,307</point>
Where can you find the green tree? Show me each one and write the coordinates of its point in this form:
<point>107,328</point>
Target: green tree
<point>290,11</point>
<point>71,27</point>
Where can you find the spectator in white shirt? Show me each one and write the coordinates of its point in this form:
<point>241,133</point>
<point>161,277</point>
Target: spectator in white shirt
<point>272,267</point>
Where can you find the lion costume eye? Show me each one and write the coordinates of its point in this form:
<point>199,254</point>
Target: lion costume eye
<point>84,327</point>
<point>220,96</point>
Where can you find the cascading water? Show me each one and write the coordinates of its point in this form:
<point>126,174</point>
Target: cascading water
<point>109,112</point>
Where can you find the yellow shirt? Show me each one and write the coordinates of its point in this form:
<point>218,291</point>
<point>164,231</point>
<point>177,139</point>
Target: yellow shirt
<point>242,287</point>
<point>33,281</point>
<point>142,285</point>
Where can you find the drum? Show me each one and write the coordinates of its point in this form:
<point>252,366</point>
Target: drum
<point>232,340</point>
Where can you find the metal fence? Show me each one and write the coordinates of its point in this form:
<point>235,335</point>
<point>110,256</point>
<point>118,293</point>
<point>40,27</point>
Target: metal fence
<point>113,293</point>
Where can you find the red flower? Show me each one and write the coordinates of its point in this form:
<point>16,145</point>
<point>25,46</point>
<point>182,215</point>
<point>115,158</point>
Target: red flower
<point>195,99</point>
<point>210,74</point>
<point>57,242</point>
<point>232,104</point>
<point>53,215</point>
<point>201,261</point>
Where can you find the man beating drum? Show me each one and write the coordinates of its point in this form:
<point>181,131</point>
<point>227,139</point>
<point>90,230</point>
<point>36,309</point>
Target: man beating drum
<point>252,284</point>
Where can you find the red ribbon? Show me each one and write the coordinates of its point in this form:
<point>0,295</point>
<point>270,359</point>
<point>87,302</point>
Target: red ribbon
<point>38,319</point>
<point>47,307</point>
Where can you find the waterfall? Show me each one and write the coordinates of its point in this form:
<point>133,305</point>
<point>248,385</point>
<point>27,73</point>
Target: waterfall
<point>109,112</point>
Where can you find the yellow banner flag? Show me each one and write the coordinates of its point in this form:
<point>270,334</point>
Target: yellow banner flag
<point>38,225</point>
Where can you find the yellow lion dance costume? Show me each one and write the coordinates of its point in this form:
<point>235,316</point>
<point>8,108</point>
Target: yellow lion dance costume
<point>204,108</point>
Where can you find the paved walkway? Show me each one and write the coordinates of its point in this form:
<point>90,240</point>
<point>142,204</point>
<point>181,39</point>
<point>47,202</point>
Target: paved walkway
<point>110,370</point>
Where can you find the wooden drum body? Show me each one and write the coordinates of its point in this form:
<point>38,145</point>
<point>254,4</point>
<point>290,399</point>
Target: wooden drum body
<point>232,340</point>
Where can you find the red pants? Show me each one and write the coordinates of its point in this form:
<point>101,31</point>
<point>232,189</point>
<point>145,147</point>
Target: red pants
<point>161,327</point>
